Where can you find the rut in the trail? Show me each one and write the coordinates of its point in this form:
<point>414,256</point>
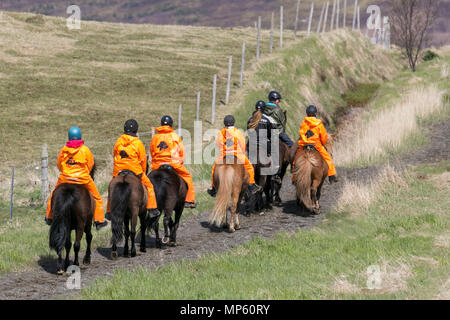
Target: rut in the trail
<point>196,239</point>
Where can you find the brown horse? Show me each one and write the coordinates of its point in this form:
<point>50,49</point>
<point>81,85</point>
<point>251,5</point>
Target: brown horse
<point>73,209</point>
<point>128,198</point>
<point>310,171</point>
<point>231,179</point>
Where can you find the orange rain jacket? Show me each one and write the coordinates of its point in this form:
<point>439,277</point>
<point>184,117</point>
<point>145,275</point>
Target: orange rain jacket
<point>166,147</point>
<point>231,141</point>
<point>318,139</point>
<point>129,154</point>
<point>75,164</point>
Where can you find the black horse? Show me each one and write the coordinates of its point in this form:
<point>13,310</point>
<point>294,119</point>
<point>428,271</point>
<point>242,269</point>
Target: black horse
<point>73,209</point>
<point>170,191</point>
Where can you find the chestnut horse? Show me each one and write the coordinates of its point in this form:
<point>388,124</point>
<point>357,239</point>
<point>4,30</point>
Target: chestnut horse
<point>128,198</point>
<point>231,180</point>
<point>309,173</point>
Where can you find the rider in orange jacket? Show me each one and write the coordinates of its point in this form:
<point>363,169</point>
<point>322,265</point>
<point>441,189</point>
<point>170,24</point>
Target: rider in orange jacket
<point>231,141</point>
<point>75,162</point>
<point>313,132</point>
<point>129,154</point>
<point>167,147</point>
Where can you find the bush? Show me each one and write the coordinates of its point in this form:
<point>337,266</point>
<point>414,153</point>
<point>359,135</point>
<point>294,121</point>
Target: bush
<point>429,55</point>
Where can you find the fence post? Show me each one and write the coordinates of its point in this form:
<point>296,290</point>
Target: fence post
<point>359,25</point>
<point>271,31</point>
<point>354,15</point>
<point>337,13</point>
<point>198,107</point>
<point>44,167</point>
<point>296,19</point>
<point>230,64</point>
<point>179,118</point>
<point>213,106</point>
<point>325,18</point>
<point>333,12</point>
<point>321,17</point>
<point>345,13</point>
<point>258,38</point>
<point>310,18</point>
<point>12,194</point>
<point>281,26</point>
<point>242,64</point>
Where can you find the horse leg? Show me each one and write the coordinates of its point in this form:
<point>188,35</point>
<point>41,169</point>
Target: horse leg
<point>158,242</point>
<point>314,199</point>
<point>77,244</point>
<point>143,222</point>
<point>126,222</point>
<point>174,227</point>
<point>87,256</point>
<point>68,246</point>
<point>166,222</point>
<point>134,216</point>
<point>238,210</point>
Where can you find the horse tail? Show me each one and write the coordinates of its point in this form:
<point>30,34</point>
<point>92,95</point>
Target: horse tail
<point>255,119</point>
<point>219,213</point>
<point>65,199</point>
<point>302,172</point>
<point>119,205</point>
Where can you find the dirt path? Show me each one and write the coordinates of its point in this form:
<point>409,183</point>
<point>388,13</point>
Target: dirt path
<point>196,239</point>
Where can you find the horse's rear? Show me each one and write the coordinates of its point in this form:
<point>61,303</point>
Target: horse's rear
<point>231,181</point>
<point>310,172</point>
<point>170,191</point>
<point>73,209</point>
<point>128,202</point>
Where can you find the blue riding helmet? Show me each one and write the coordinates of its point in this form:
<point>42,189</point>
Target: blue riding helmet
<point>75,133</point>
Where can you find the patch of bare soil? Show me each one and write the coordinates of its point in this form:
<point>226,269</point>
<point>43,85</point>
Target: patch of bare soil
<point>196,239</point>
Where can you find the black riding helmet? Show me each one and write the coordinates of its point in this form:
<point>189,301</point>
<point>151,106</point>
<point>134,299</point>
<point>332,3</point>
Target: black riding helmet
<point>131,126</point>
<point>229,121</point>
<point>167,121</point>
<point>260,105</point>
<point>273,95</point>
<point>311,111</point>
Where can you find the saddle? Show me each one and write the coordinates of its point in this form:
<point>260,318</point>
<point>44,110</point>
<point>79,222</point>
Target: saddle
<point>166,166</point>
<point>309,147</point>
<point>125,173</point>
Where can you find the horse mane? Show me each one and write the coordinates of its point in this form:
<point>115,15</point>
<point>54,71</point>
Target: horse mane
<point>256,118</point>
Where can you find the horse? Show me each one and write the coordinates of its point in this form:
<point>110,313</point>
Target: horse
<point>283,163</point>
<point>231,179</point>
<point>170,191</point>
<point>73,209</point>
<point>310,171</point>
<point>128,198</point>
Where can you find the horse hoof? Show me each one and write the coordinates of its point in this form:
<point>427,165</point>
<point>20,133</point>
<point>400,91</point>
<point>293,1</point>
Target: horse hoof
<point>60,272</point>
<point>114,255</point>
<point>141,249</point>
<point>165,240</point>
<point>231,230</point>
<point>316,211</point>
<point>133,254</point>
<point>172,244</point>
<point>87,261</point>
<point>238,227</point>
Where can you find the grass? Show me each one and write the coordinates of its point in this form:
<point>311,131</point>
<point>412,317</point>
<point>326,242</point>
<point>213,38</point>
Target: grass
<point>402,239</point>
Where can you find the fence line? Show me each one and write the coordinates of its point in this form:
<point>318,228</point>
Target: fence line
<point>296,19</point>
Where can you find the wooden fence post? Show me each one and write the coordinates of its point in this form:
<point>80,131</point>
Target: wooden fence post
<point>271,31</point>
<point>230,64</point>
<point>337,13</point>
<point>333,12</point>
<point>296,19</point>
<point>180,115</point>
<point>281,26</point>
<point>258,38</point>
<point>198,107</point>
<point>359,25</point>
<point>345,13</point>
<point>321,17</point>
<point>242,64</point>
<point>12,194</point>
<point>310,18</point>
<point>213,106</point>
<point>325,18</point>
<point>44,167</point>
<point>354,15</point>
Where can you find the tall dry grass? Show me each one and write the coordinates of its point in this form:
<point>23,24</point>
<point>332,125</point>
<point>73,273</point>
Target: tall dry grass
<point>371,137</point>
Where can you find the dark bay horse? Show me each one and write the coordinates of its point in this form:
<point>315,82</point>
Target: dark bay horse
<point>128,198</point>
<point>73,209</point>
<point>231,180</point>
<point>170,191</point>
<point>310,171</point>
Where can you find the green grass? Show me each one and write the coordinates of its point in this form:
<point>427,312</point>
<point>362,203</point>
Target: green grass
<point>398,231</point>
